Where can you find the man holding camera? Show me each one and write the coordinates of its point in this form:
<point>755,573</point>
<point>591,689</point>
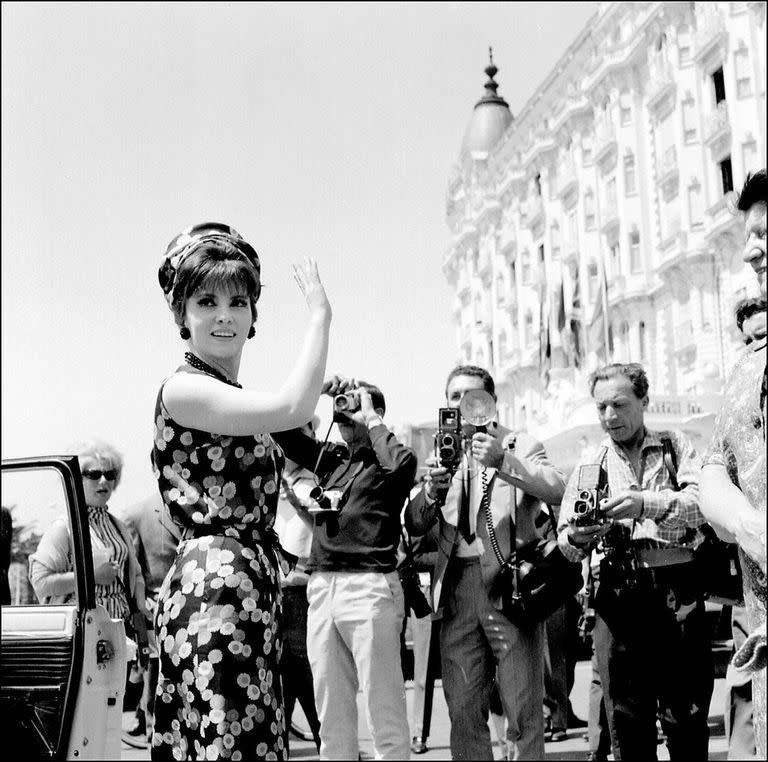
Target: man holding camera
<point>356,608</point>
<point>638,497</point>
<point>499,478</point>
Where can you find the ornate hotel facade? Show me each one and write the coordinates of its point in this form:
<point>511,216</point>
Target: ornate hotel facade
<point>598,223</point>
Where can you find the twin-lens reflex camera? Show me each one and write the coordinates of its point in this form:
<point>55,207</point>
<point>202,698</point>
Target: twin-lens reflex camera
<point>455,426</point>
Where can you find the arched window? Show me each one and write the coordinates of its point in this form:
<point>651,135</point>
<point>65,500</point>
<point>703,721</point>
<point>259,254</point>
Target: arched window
<point>641,335</point>
<point>625,107</point>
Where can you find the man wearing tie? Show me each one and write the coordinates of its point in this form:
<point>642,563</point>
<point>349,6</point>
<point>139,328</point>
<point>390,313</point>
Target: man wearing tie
<point>475,638</point>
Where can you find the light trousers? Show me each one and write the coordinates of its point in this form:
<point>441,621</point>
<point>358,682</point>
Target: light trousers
<point>353,641</point>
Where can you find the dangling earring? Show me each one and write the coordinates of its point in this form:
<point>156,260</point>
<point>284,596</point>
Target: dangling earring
<point>251,332</point>
<point>184,332</point>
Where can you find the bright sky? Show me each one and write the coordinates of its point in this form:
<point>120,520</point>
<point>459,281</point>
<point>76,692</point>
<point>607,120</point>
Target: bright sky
<point>314,129</point>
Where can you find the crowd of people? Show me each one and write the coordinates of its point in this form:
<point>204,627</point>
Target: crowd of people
<point>269,564</point>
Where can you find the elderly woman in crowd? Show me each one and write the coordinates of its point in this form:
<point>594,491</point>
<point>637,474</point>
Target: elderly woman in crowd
<point>119,584</point>
<point>218,472</point>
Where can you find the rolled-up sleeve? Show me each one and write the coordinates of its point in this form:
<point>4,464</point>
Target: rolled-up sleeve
<point>678,509</point>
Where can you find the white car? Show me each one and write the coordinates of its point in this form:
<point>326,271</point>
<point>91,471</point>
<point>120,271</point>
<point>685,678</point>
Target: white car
<point>63,665</point>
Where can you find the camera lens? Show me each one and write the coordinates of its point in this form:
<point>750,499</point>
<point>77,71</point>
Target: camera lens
<point>580,507</point>
<point>341,402</point>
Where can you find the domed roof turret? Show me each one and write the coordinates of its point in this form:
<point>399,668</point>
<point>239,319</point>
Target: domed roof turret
<point>490,118</point>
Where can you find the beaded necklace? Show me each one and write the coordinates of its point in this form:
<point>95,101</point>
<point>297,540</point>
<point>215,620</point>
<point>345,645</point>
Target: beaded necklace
<point>199,364</point>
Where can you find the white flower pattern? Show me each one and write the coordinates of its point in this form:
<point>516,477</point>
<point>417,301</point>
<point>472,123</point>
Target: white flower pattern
<point>219,608</point>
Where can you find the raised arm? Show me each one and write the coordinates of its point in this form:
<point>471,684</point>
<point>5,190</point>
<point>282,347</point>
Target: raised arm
<point>200,402</point>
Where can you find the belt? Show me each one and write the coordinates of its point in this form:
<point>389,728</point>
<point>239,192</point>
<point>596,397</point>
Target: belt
<point>651,558</point>
<point>466,560</point>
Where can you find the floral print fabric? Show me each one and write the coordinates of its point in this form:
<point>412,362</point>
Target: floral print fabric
<point>219,694</point>
<point>738,444</point>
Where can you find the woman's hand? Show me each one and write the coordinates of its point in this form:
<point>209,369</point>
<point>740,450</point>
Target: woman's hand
<point>750,534</point>
<point>308,280</point>
<point>105,573</point>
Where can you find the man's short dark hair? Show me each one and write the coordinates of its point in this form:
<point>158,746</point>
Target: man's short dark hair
<point>748,307</point>
<point>376,396</point>
<point>473,370</point>
<point>631,370</point>
<point>755,191</point>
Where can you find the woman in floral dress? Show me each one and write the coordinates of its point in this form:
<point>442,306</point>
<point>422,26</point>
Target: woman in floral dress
<point>218,471</point>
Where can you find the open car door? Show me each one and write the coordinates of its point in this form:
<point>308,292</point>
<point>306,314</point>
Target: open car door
<point>63,660</point>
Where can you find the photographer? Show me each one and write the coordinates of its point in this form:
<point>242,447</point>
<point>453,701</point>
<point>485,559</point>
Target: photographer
<point>637,496</point>
<point>355,597</point>
<point>475,638</point>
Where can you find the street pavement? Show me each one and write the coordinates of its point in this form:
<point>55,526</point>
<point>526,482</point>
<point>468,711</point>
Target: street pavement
<point>573,748</point>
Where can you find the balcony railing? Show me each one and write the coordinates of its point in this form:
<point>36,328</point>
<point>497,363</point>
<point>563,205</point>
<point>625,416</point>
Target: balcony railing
<point>661,81</point>
<point>534,211</point>
<point>567,179</point>
<point>710,28</point>
<point>668,170</point>
<point>605,140</point>
<point>717,122</point>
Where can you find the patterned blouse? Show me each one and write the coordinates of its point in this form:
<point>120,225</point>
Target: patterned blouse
<point>738,444</point>
<point>112,596</point>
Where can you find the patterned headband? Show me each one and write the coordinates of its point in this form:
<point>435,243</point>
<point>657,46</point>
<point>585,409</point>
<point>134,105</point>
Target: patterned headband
<point>189,240</point>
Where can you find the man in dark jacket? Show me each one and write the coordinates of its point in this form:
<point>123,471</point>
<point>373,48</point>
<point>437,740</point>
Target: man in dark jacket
<point>356,607</point>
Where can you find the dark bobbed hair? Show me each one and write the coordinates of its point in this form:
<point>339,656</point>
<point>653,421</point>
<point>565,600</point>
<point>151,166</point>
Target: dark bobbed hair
<point>631,370</point>
<point>214,264</point>
<point>473,370</point>
<point>748,307</point>
<point>376,395</point>
<point>754,191</point>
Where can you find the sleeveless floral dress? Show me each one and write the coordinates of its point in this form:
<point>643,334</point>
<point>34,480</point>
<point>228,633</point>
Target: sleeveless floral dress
<point>219,693</point>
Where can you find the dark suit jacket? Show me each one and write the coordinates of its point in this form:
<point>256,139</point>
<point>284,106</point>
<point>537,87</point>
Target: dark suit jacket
<point>536,482</point>
<point>155,539</point>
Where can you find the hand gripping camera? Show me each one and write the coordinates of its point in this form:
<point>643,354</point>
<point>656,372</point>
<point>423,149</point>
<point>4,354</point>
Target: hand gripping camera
<point>346,403</point>
<point>456,425</point>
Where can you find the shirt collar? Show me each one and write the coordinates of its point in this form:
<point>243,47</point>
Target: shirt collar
<point>651,439</point>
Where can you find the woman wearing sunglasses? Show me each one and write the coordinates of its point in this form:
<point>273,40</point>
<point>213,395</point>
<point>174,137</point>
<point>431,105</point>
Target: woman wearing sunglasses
<point>119,583</point>
<point>218,470</point>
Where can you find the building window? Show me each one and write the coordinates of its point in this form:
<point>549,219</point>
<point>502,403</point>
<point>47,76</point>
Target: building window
<point>749,156</point>
<point>684,43</point>
<point>624,341</point>
<point>592,273</point>
<point>690,118</point>
<point>615,254</point>
<point>610,195</point>
<point>537,181</point>
<point>629,174</point>
<point>726,174</point>
<point>589,210</point>
<point>635,264</point>
<point>500,289</point>
<point>513,279</point>
<point>573,230</point>
<point>525,264</point>
<point>528,335</point>
<point>554,236</point>
<point>695,203</point>
<point>625,107</point>
<point>741,67</point>
<point>718,84</point>
<point>586,149</point>
<point>641,336</point>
